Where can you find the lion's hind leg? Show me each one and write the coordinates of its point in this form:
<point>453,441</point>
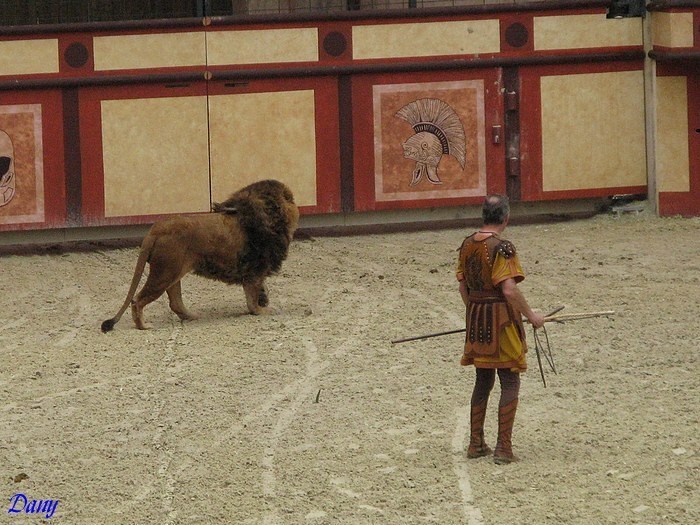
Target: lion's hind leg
<point>144,297</point>
<point>176,304</point>
<point>159,280</point>
<point>137,305</point>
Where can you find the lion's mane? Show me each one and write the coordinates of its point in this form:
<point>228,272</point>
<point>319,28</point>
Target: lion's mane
<point>264,213</point>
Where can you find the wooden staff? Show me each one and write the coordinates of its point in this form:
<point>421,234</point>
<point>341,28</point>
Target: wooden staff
<point>437,334</point>
<point>549,318</point>
<point>561,318</point>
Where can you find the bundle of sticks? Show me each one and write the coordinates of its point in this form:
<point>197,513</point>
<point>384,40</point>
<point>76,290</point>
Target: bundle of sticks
<point>552,317</point>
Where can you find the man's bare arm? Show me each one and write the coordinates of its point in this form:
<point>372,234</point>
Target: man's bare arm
<point>517,300</point>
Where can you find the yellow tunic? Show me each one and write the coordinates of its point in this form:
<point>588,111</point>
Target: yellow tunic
<point>512,349</point>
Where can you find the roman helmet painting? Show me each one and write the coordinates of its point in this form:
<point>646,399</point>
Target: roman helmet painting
<point>7,169</point>
<point>438,131</point>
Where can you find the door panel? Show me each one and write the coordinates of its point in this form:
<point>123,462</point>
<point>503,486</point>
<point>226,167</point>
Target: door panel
<point>582,131</point>
<point>147,153</point>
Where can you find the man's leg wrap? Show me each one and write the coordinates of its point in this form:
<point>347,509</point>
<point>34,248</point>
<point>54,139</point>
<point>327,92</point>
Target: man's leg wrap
<point>507,406</point>
<point>485,379</point>
<point>510,386</point>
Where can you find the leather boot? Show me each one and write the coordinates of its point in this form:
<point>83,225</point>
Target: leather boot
<point>477,446</point>
<point>504,449</point>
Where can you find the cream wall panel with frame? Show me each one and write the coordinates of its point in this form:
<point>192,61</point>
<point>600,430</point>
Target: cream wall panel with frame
<point>585,31</point>
<point>672,29</point>
<point>149,51</point>
<point>422,39</point>
<point>672,155</point>
<point>155,156</point>
<point>262,46</point>
<point>593,131</point>
<point>255,136</point>
<point>28,57</point>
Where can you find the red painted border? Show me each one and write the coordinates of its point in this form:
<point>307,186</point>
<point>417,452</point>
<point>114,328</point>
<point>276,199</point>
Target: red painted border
<point>526,19</point>
<point>686,203</point>
<point>345,29</point>
<point>64,41</point>
<point>92,201</point>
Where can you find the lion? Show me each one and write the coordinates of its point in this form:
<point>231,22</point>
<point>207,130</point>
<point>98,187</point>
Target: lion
<point>243,242</point>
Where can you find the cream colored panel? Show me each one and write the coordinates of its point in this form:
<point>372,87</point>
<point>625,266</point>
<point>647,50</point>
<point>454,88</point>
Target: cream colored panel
<point>262,46</point>
<point>263,136</point>
<point>155,156</point>
<point>584,31</point>
<point>28,57</point>
<point>672,29</point>
<point>593,131</point>
<point>672,157</point>
<point>426,39</point>
<point>149,51</point>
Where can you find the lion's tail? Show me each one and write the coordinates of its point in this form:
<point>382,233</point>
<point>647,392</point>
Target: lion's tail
<point>144,255</point>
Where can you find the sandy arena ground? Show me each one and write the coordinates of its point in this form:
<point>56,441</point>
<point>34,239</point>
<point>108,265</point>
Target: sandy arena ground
<point>311,416</point>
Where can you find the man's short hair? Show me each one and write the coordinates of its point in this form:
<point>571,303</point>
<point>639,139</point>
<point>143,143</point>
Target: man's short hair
<point>496,209</point>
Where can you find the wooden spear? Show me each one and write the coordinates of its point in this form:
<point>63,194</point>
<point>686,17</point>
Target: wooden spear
<point>549,318</point>
<point>561,318</point>
<point>437,334</point>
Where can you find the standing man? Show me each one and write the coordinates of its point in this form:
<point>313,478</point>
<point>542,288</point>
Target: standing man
<point>488,272</point>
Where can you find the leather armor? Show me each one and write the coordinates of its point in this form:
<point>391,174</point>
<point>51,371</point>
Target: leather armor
<point>488,311</point>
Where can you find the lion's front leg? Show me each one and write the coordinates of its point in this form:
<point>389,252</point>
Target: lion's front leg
<point>263,297</point>
<point>253,299</point>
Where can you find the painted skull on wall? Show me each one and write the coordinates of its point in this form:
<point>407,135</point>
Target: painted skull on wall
<point>7,169</point>
<point>438,132</point>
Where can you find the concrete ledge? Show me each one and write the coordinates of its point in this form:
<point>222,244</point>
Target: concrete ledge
<point>356,223</point>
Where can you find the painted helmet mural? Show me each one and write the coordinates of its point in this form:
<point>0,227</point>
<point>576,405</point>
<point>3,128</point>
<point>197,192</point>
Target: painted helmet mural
<point>438,132</point>
<point>7,169</point>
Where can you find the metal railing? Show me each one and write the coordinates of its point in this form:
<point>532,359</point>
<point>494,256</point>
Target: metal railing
<point>31,12</point>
